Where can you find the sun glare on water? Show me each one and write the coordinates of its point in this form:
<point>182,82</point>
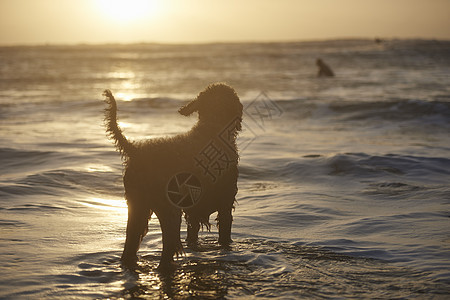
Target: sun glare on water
<point>126,11</point>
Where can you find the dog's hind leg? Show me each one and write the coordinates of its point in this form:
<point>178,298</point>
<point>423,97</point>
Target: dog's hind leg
<point>225,219</point>
<point>193,227</point>
<point>170,222</point>
<point>137,227</point>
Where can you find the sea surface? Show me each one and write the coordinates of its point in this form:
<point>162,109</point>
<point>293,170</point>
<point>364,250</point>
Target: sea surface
<point>344,186</point>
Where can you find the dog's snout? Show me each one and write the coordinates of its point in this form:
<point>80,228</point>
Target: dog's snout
<point>189,108</point>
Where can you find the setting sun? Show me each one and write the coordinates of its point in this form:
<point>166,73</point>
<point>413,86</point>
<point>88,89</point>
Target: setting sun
<point>128,10</point>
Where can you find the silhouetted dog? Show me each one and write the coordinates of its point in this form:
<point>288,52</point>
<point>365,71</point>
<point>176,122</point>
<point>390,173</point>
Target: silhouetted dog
<point>195,173</point>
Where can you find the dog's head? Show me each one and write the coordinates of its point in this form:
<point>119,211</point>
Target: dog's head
<point>218,105</point>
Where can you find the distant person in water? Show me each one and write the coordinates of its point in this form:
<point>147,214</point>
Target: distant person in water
<point>324,69</point>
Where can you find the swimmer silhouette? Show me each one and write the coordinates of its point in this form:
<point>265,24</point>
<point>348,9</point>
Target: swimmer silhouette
<point>324,69</point>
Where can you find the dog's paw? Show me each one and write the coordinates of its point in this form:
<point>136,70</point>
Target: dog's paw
<point>226,244</point>
<point>129,262</point>
<point>167,267</point>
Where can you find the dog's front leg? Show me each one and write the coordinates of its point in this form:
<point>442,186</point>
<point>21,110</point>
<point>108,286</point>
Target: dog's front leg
<point>225,219</point>
<point>137,227</point>
<point>170,223</point>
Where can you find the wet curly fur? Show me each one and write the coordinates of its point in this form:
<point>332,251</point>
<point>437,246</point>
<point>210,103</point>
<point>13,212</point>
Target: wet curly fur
<point>151,164</point>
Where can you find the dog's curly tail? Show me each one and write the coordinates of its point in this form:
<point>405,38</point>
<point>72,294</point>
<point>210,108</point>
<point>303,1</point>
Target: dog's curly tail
<point>122,144</point>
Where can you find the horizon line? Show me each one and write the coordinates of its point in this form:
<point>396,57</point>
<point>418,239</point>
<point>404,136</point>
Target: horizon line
<point>256,41</point>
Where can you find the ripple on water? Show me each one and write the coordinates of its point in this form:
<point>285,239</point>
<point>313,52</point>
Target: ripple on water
<point>251,268</point>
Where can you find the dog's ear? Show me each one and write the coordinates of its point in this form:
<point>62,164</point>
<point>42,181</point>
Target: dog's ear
<point>189,108</point>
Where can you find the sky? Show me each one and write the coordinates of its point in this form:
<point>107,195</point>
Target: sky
<point>199,21</point>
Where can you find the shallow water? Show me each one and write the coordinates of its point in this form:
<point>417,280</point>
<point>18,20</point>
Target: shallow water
<point>343,187</point>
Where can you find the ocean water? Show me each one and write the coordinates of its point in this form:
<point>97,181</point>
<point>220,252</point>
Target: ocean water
<point>344,182</point>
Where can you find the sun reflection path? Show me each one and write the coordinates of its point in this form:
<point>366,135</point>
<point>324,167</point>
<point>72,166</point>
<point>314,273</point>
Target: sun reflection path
<point>98,168</point>
<point>121,75</point>
<point>126,96</point>
<point>124,84</point>
<point>129,86</point>
<point>116,205</point>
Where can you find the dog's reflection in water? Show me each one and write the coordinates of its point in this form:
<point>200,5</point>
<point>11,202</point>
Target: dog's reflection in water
<point>194,278</point>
